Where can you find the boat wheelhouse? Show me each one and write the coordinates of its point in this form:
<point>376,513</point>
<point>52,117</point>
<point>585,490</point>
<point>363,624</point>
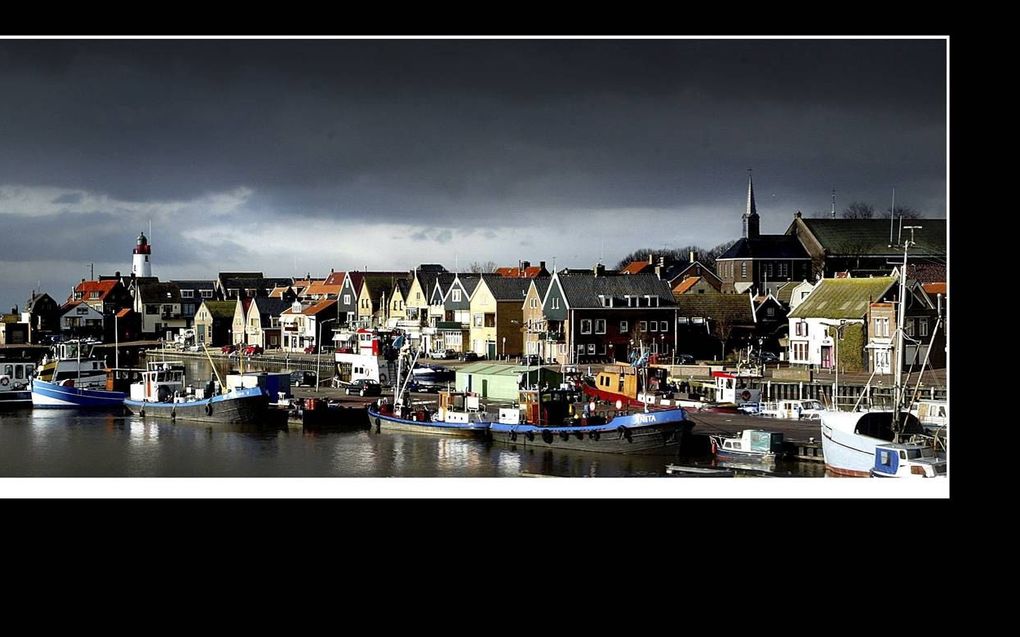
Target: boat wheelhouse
<point>793,409</point>
<point>908,460</point>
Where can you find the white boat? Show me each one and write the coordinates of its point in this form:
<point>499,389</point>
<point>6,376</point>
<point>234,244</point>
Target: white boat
<point>793,409</point>
<point>752,445</point>
<point>74,360</point>
<point>908,460</point>
<point>15,376</point>
<point>365,354</point>
<point>849,438</point>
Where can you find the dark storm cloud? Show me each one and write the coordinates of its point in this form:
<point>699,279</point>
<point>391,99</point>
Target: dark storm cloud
<point>436,135</point>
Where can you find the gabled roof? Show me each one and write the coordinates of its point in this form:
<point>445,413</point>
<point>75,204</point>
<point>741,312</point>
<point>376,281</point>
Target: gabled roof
<point>469,281</point>
<point>36,298</point>
<point>277,292</point>
<point>583,290</point>
<point>316,288</point>
<point>221,309</point>
<point>403,286</point>
<point>766,246</point>
<point>703,271</point>
<point>239,275</point>
<point>843,298</point>
<point>159,293</point>
<point>321,306</point>
<point>124,312</point>
<point>734,308</point>
<point>636,267</point>
<point>269,307</point>
<point>104,287</point>
<point>335,278</point>
<point>67,307</point>
<point>686,284</point>
<point>541,285</point>
<point>507,288</point>
<point>935,288</point>
<point>195,284</point>
<point>381,281</point>
<point>856,237</point>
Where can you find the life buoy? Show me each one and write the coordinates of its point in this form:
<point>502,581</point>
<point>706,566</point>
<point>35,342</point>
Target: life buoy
<point>530,435</point>
<point>208,409</point>
<point>594,435</point>
<point>5,381</point>
<point>382,378</point>
<point>746,395</point>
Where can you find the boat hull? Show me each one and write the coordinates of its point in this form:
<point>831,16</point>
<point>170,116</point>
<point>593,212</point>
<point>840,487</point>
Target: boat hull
<point>245,406</point>
<point>47,395</point>
<point>847,453</point>
<point>15,399</point>
<point>651,433</point>
<point>465,430</point>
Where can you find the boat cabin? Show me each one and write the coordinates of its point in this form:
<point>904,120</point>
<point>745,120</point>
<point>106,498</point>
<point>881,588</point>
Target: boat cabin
<point>458,407</point>
<point>730,388</point>
<point>932,413</point>
<point>629,381</point>
<point>551,408</point>
<point>162,381</point>
<point>121,379</point>
<point>15,375</point>
<point>907,460</point>
<point>754,442</point>
<point>794,409</point>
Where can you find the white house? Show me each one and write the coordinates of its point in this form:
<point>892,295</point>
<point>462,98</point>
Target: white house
<point>300,324</point>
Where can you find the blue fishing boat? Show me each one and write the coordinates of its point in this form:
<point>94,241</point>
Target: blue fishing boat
<point>65,395</point>
<point>559,419</point>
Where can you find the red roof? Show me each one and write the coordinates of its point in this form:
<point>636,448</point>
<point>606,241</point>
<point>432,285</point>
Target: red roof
<point>319,307</point>
<point>88,287</point>
<point>511,272</point>
<point>635,267</point>
<point>335,278</point>
<point>320,287</point>
<point>935,288</point>
<point>686,284</point>
<point>124,312</point>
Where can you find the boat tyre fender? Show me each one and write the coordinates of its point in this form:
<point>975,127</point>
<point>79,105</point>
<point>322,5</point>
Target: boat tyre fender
<point>173,414</point>
<point>547,437</point>
<point>565,435</point>
<point>622,431</point>
<point>512,435</point>
<point>141,412</point>
<point>530,435</point>
<point>594,435</point>
<point>377,425</point>
<point>208,409</point>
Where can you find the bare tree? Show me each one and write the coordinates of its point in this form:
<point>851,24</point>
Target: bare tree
<point>722,328</point>
<point>477,267</point>
<point>708,258</point>
<point>859,210</point>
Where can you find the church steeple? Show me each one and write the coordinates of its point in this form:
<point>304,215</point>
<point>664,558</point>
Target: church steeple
<point>750,218</point>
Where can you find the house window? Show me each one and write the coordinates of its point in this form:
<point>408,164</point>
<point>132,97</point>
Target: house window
<point>534,303</point>
<point>591,349</point>
<point>152,309</point>
<point>555,303</point>
<point>743,269</point>
<point>600,326</point>
<point>206,294</point>
<point>770,312</point>
<point>624,327</point>
<point>187,294</point>
<point>586,326</point>
<point>923,327</point>
<point>580,350</point>
<point>654,326</point>
<point>663,326</point>
<point>94,294</point>
<point>644,326</point>
<point>456,296</point>
<point>908,327</point>
<point>768,269</point>
<point>478,320</point>
<point>347,299</point>
<point>682,320</point>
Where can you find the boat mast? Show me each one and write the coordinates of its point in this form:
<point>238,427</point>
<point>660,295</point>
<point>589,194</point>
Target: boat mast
<point>898,392</point>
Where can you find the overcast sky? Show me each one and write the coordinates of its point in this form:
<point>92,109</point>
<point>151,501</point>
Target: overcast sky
<point>296,156</point>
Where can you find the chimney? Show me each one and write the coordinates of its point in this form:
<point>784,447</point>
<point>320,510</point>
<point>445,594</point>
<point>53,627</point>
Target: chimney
<point>599,269</point>
<point>692,256</point>
<point>651,258</point>
<point>658,270</point>
<point>117,274</point>
<point>541,264</point>
<point>796,215</point>
<point>662,261</point>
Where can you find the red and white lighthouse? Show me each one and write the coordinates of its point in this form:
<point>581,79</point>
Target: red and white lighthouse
<point>140,265</point>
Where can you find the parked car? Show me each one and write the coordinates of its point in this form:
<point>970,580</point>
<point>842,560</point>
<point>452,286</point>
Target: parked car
<point>446,355</point>
<point>532,359</point>
<point>467,357</point>
<point>684,359</point>
<point>302,378</point>
<point>228,349</point>
<point>364,387</point>
<point>252,350</point>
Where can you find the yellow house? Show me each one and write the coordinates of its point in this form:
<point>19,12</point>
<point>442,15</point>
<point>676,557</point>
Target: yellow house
<point>497,315</point>
<point>374,296</point>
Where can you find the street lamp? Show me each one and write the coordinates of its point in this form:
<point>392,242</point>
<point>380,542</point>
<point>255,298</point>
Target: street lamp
<point>318,351</point>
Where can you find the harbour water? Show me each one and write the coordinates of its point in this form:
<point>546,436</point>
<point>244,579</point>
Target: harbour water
<point>59,443</point>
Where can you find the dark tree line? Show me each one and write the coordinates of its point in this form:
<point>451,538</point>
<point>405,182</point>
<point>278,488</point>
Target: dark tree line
<point>678,255</point>
<point>865,210</point>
